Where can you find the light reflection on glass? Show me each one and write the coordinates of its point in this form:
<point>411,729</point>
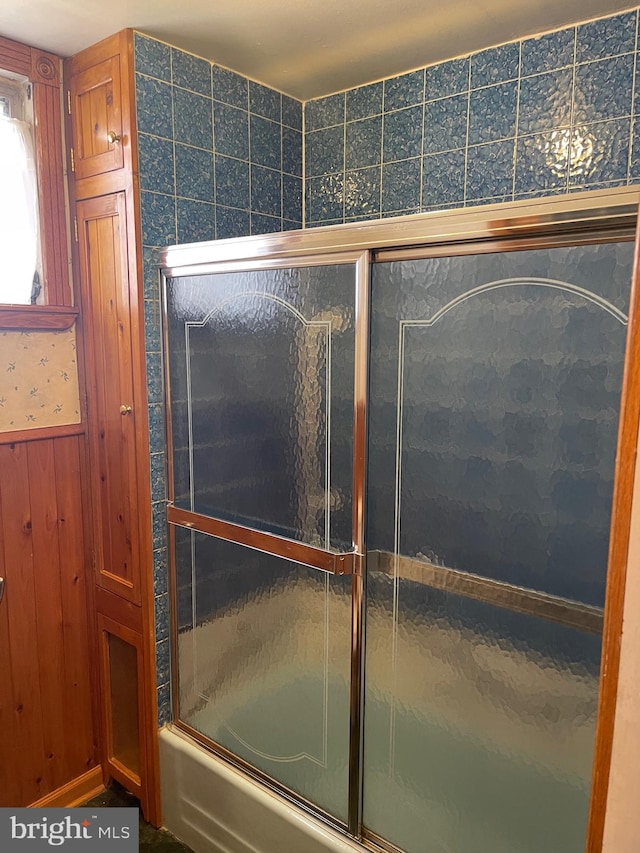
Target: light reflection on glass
<point>568,152</point>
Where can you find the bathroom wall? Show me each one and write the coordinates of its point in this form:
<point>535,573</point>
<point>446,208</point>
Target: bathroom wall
<point>221,156</point>
<point>546,115</point>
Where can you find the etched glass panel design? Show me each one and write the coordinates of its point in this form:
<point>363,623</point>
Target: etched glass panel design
<point>495,388</point>
<point>261,372</point>
<point>263,661</point>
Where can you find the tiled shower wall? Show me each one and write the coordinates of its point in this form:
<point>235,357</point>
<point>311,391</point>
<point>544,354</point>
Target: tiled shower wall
<point>536,117</point>
<point>221,156</point>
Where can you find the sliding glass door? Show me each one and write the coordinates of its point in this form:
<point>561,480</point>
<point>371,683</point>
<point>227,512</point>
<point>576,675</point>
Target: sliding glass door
<point>495,392</point>
<point>454,408</point>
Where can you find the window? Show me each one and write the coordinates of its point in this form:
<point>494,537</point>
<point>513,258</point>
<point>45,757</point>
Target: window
<point>19,231</point>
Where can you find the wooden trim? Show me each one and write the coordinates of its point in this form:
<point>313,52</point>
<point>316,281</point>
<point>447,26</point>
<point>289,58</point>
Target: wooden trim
<point>41,318</point>
<point>15,57</point>
<point>74,793</point>
<point>41,433</point>
<point>617,569</point>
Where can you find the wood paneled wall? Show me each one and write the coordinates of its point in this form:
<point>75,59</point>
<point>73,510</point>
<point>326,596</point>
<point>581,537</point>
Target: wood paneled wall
<point>46,714</point>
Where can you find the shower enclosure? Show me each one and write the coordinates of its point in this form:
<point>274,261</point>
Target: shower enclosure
<point>391,474</point>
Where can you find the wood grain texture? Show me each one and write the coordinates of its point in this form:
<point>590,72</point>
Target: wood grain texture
<point>617,566</point>
<point>47,723</point>
<point>15,56</point>
<point>47,318</point>
<point>74,793</point>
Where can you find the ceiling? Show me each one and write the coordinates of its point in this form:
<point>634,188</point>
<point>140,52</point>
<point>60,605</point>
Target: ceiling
<point>305,48</point>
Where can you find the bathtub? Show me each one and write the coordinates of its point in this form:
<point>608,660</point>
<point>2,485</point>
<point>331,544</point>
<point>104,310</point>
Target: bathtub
<point>214,808</point>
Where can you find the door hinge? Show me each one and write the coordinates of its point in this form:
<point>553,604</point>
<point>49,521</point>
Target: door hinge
<point>75,227</point>
<point>69,101</point>
<point>73,160</point>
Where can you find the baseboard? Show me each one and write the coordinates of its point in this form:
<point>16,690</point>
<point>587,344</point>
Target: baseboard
<point>74,793</point>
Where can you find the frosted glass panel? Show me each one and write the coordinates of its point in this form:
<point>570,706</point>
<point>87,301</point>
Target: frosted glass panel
<point>261,373</point>
<point>495,389</point>
<point>264,665</point>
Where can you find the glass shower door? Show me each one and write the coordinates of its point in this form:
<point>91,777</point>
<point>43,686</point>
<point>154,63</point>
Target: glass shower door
<point>264,515</point>
<point>494,402</point>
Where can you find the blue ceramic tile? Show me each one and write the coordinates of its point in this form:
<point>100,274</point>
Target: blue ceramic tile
<point>263,224</point>
<point>291,225</point>
<point>443,178</point>
<point>156,163</point>
<point>490,170</point>
<point>446,206</point>
<point>231,131</point>
<point>364,143</point>
<point>266,191</point>
<point>232,182</point>
<point>156,427</point>
<point>407,90</point>
<point>600,152</point>
<point>164,705</point>
<point>400,185</point>
<point>445,124</point>
<point>158,518</point>
<point>325,112</point>
<point>163,656</point>
<point>292,198</point>
<point>554,50</point>
<point>545,101</point>
<point>325,151</point>
<point>325,198</point>
<point>447,78</point>
<point>291,151</point>
<point>158,477</point>
<point>151,278</point>
<point>154,386</point>
<point>152,326</point>
<point>191,72</point>
<point>495,65</point>
<point>230,88</point>
<point>492,113</point>
<point>402,134</point>
<point>158,219</point>
<point>194,173</point>
<point>265,142</point>
<point>160,573</point>
<point>291,112</point>
<point>231,223</point>
<point>264,101</point>
<point>152,57</point>
<point>364,101</point>
<point>603,89</point>
<point>161,610</point>
<point>542,161</point>
<point>196,221</point>
<point>635,159</point>
<point>323,223</point>
<point>606,37</point>
<point>192,119</point>
<point>362,193</point>
<point>154,107</point>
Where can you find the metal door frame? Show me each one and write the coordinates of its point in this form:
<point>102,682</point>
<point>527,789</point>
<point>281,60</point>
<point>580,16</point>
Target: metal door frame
<point>598,216</point>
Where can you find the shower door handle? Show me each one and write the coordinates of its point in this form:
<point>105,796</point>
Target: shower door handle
<point>335,563</point>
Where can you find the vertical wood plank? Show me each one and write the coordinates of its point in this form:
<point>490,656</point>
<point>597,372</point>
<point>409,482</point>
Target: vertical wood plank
<point>22,617</point>
<point>81,746</point>
<point>48,601</point>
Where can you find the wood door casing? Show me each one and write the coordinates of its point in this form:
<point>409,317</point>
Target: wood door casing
<point>96,104</point>
<point>46,714</point>
<point>102,228</point>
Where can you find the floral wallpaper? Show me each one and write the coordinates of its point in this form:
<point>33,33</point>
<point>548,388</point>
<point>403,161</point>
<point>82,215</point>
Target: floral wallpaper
<point>38,380</point>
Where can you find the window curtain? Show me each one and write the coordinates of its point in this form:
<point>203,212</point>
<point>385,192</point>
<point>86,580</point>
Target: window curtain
<point>18,212</point>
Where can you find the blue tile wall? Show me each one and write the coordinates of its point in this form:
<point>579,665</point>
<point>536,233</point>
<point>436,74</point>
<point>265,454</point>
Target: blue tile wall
<point>544,115</point>
<point>220,156</point>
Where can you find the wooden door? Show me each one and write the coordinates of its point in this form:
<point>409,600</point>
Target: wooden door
<point>46,717</point>
<point>102,229</point>
<point>96,100</point>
